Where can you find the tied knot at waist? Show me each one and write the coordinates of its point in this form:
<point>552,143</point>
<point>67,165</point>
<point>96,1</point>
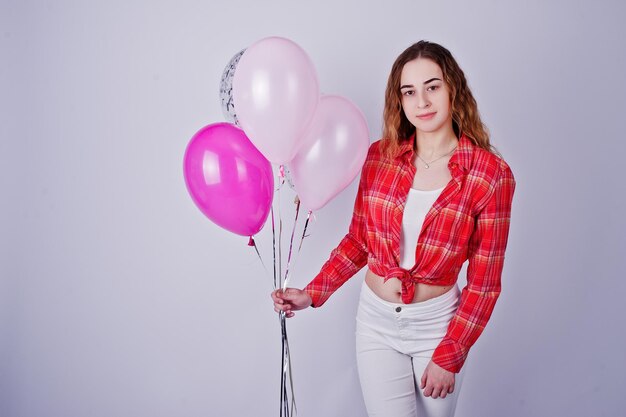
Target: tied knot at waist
<point>408,282</point>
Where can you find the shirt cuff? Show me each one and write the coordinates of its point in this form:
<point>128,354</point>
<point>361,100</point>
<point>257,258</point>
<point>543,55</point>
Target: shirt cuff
<point>450,355</point>
<point>314,296</point>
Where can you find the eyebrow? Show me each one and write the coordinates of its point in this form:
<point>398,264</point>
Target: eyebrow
<point>425,82</point>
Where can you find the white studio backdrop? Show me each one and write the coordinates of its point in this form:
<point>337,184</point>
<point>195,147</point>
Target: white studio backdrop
<point>118,298</point>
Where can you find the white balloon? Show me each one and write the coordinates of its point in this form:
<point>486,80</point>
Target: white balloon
<point>276,90</point>
<point>333,151</point>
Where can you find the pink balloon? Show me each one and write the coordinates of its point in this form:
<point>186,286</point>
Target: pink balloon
<point>332,153</point>
<point>230,181</point>
<point>275,92</point>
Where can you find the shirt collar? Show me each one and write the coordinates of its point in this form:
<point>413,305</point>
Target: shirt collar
<point>461,157</point>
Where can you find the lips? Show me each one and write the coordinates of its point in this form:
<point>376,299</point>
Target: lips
<point>426,116</point>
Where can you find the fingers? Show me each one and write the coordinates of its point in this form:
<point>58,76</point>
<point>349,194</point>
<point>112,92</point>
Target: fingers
<point>288,313</point>
<point>436,391</point>
<point>289,299</point>
<point>437,382</point>
<point>280,303</point>
<point>439,389</point>
<point>278,295</point>
<point>278,307</point>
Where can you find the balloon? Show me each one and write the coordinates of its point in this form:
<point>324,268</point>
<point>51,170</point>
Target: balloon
<point>229,180</point>
<point>226,89</point>
<point>332,153</point>
<point>276,91</point>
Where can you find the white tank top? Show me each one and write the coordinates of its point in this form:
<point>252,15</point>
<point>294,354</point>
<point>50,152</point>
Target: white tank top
<point>418,203</point>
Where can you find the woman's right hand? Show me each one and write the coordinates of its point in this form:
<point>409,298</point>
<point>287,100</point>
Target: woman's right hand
<point>290,300</point>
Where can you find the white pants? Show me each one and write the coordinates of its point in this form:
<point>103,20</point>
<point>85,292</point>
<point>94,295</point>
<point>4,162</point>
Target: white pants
<point>394,343</point>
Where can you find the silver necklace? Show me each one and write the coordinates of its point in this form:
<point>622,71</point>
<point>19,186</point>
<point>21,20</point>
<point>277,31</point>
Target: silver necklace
<point>427,164</point>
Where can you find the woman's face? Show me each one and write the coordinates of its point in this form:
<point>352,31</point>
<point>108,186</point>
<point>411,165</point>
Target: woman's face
<point>425,96</point>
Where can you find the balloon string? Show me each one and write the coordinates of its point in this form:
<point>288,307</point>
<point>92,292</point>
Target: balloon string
<point>288,359</point>
<point>287,389</point>
<point>283,393</point>
<point>293,232</point>
<point>286,407</point>
<point>306,224</point>
<point>281,178</point>
<point>252,242</point>
<point>287,375</point>
<point>274,245</point>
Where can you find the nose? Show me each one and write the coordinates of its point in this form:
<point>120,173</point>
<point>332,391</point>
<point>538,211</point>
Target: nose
<point>422,101</point>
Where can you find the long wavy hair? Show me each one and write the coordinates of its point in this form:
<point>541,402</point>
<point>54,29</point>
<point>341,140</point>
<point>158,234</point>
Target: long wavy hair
<point>465,116</point>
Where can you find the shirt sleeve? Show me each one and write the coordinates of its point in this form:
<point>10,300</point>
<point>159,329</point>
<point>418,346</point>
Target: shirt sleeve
<point>346,259</point>
<point>486,250</point>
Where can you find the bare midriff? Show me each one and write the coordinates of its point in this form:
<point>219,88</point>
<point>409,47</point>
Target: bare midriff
<point>392,289</point>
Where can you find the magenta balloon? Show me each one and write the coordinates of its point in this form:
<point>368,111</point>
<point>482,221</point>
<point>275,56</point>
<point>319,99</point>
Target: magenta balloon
<point>332,153</point>
<point>275,92</point>
<point>230,181</point>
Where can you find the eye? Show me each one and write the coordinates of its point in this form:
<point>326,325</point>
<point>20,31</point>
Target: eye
<point>408,93</point>
<point>432,88</point>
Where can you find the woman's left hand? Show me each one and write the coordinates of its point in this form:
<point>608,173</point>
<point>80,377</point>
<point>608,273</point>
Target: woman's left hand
<point>436,381</point>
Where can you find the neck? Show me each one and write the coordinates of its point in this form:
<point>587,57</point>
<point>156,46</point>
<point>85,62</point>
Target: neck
<point>433,144</point>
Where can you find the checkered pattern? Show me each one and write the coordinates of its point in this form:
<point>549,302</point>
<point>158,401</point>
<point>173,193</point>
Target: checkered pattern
<point>469,220</point>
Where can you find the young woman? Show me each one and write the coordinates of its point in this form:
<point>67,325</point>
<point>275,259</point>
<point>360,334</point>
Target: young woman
<point>432,194</point>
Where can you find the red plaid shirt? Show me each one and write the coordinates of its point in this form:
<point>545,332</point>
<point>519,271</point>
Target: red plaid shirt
<point>469,220</point>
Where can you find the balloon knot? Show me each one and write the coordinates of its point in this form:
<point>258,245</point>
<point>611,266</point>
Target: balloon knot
<point>251,241</point>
